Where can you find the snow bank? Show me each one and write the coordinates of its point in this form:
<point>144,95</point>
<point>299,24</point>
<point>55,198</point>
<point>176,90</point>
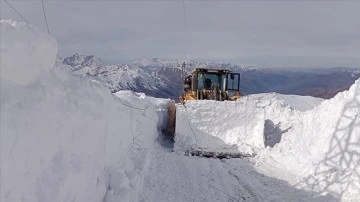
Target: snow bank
<point>337,145</point>
<point>212,124</point>
<point>25,52</point>
<point>65,138</point>
<point>314,140</point>
<point>241,124</point>
<point>324,146</point>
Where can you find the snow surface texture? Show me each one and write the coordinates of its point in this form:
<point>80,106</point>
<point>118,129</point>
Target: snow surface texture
<point>65,138</point>
<point>23,49</point>
<point>242,124</point>
<point>323,147</point>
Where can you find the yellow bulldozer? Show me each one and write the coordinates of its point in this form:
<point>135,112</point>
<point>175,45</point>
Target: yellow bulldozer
<point>204,84</point>
<point>210,84</point>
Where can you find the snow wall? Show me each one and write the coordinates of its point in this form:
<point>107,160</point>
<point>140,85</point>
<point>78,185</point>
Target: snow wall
<point>242,124</point>
<point>317,141</point>
<point>65,138</point>
<point>322,146</point>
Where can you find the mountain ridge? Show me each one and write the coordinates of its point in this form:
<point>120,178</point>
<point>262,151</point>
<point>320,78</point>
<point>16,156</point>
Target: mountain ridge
<point>161,77</point>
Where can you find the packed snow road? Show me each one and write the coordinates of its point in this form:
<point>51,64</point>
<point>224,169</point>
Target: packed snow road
<point>174,177</point>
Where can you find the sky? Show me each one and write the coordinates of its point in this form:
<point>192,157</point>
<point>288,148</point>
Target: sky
<point>261,33</point>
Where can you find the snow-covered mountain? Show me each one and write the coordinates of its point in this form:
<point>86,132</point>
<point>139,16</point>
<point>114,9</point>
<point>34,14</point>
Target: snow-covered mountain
<point>119,77</point>
<point>155,77</point>
<point>161,78</point>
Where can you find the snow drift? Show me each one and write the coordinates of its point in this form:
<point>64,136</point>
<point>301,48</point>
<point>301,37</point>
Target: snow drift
<point>23,49</point>
<point>323,147</point>
<point>327,145</point>
<point>211,124</point>
<point>316,141</point>
<point>65,138</point>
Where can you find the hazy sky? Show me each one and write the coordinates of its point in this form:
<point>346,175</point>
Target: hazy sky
<point>262,33</point>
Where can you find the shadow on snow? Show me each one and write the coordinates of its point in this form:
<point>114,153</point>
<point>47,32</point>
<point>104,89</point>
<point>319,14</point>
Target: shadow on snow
<point>341,165</point>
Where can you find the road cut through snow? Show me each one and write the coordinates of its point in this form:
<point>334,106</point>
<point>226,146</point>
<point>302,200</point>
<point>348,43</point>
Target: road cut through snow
<point>66,138</point>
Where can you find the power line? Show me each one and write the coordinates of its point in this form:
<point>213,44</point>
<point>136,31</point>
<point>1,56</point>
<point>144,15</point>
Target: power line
<point>17,12</point>
<point>184,15</point>
<point>47,26</point>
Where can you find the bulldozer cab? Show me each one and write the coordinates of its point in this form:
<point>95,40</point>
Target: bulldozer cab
<point>211,84</point>
<point>208,80</point>
<point>233,82</point>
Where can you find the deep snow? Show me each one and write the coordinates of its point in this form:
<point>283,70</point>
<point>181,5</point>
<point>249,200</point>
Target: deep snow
<point>242,123</point>
<point>312,144</point>
<point>66,138</point>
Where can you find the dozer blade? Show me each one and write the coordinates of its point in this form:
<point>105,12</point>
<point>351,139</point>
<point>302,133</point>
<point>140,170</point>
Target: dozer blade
<point>187,136</point>
<point>218,153</point>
